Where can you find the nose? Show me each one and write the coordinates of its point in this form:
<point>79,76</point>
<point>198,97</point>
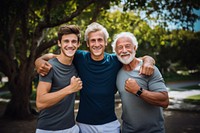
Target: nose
<point>96,43</point>
<point>124,49</point>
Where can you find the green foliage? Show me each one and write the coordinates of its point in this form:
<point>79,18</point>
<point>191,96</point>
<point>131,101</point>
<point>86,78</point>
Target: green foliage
<point>176,77</point>
<point>161,10</point>
<point>193,99</point>
<point>28,29</point>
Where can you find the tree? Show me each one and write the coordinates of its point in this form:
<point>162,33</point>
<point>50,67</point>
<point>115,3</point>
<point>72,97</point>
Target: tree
<point>26,33</point>
<point>23,37</point>
<point>178,12</point>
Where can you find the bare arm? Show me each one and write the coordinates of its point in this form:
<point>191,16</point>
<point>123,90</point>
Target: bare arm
<point>45,99</point>
<point>41,64</point>
<point>154,98</point>
<point>148,65</point>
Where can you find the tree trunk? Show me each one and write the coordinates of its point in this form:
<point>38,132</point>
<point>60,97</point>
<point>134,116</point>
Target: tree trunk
<point>20,87</point>
<point>19,106</point>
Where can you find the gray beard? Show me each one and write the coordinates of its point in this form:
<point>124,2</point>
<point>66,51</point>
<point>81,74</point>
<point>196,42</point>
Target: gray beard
<point>128,60</point>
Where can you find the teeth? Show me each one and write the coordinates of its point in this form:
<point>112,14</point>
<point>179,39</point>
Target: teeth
<point>96,48</point>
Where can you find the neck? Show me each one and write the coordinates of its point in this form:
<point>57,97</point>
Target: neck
<point>97,58</point>
<point>132,65</point>
<point>65,60</point>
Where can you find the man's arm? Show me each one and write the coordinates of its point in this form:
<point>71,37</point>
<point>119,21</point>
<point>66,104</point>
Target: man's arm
<point>154,98</point>
<point>41,64</point>
<point>45,99</point>
<point>148,65</point>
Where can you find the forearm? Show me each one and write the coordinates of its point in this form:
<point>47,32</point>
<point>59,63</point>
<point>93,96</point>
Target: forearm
<point>47,100</point>
<point>156,98</point>
<point>44,57</point>
<point>148,59</point>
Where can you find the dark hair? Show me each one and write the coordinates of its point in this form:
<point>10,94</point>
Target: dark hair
<point>69,29</point>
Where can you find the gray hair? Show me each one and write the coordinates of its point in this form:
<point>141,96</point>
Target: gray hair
<point>124,34</point>
<point>93,27</point>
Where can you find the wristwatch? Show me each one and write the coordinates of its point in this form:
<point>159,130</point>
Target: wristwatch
<point>139,92</point>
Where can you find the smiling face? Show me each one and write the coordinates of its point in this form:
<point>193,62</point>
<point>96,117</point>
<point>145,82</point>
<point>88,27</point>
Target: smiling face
<point>125,50</point>
<point>96,44</point>
<point>69,44</point>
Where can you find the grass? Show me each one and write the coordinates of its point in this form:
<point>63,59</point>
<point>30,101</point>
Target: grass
<point>193,99</point>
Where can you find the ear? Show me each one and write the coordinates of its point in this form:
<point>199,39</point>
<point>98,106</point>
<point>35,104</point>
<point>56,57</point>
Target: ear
<point>79,44</point>
<point>106,43</point>
<point>135,48</point>
<point>59,44</point>
<point>87,44</point>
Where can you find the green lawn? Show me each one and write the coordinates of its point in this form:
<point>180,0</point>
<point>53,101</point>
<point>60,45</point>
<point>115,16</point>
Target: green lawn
<point>193,99</point>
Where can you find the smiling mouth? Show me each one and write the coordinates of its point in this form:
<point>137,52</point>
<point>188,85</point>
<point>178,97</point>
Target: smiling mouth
<point>97,48</point>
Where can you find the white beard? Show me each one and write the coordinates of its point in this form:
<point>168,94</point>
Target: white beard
<point>126,61</point>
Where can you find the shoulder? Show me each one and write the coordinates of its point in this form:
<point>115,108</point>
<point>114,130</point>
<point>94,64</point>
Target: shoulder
<point>81,52</point>
<point>156,74</point>
<point>53,61</point>
<point>111,56</point>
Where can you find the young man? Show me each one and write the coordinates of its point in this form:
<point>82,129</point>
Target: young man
<point>56,91</point>
<point>142,96</point>
<point>98,71</point>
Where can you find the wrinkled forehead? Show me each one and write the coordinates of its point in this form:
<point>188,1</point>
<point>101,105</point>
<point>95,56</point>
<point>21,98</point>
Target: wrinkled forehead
<point>123,41</point>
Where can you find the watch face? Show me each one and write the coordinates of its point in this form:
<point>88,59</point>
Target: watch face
<point>139,92</point>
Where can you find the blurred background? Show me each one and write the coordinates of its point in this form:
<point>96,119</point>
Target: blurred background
<point>167,30</point>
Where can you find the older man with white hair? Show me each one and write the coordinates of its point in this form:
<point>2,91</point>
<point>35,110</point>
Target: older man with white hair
<point>142,96</point>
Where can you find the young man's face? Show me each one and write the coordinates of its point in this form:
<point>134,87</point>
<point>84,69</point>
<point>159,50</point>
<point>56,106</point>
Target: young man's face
<point>125,50</point>
<point>96,44</point>
<point>69,44</point>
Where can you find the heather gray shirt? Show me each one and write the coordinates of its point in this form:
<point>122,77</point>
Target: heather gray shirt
<point>139,116</point>
<point>61,115</point>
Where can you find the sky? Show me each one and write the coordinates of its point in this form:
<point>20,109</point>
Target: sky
<point>197,24</point>
<point>172,26</point>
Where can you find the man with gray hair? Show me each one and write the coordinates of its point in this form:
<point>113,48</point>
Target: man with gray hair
<point>97,70</point>
<point>142,96</point>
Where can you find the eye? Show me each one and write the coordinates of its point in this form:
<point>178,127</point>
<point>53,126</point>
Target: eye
<point>74,41</point>
<point>119,47</point>
<point>100,40</point>
<point>128,46</point>
<point>66,41</point>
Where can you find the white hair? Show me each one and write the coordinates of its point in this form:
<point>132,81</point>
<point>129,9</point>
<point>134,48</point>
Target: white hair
<point>124,34</point>
<point>93,27</point>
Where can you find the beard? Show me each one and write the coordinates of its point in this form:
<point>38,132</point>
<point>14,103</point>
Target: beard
<point>126,61</point>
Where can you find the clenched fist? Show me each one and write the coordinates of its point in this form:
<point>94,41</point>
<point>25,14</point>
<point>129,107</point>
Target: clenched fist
<point>76,84</point>
<point>131,85</point>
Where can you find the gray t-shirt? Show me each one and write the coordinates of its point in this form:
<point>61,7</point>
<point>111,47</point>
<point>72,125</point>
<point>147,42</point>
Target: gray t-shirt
<point>61,115</point>
<point>139,116</point>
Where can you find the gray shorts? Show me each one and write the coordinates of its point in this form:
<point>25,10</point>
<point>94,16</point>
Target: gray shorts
<point>74,129</point>
<point>111,127</point>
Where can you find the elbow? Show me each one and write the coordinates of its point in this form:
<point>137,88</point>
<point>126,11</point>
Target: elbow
<point>165,103</point>
<point>40,106</point>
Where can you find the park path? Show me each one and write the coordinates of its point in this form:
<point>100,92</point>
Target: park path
<point>177,94</point>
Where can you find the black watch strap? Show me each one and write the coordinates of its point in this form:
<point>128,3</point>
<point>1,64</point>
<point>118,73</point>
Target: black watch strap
<point>139,92</point>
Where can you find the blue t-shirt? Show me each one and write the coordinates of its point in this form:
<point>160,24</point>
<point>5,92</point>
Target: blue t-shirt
<point>99,86</point>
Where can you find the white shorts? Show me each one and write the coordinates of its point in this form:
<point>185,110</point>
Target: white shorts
<point>74,129</point>
<point>111,127</point>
